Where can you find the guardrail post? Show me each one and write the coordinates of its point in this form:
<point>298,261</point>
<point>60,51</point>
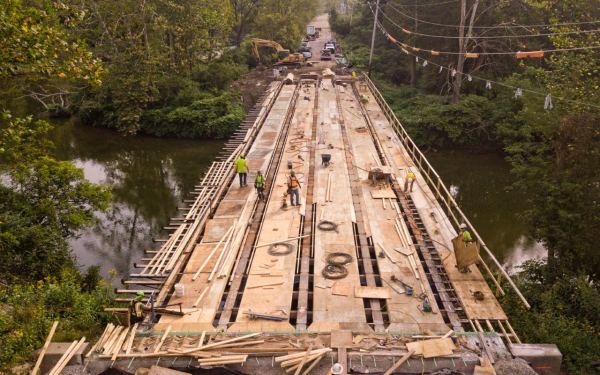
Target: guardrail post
<point>499,280</point>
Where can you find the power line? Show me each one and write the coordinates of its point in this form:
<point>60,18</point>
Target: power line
<point>427,5</point>
<point>486,37</point>
<point>477,54</point>
<point>489,82</point>
<point>502,25</point>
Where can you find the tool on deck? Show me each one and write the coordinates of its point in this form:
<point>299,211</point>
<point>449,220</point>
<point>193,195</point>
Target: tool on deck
<point>409,289</point>
<point>253,316</point>
<point>426,305</point>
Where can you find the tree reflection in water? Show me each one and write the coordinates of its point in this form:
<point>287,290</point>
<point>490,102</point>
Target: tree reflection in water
<point>149,176</point>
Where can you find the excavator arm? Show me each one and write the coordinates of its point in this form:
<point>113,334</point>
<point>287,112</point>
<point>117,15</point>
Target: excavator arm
<point>282,53</point>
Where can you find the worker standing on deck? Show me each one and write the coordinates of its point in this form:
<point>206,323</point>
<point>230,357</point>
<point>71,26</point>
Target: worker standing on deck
<point>410,179</point>
<point>241,166</point>
<point>137,307</point>
<point>353,74</point>
<point>259,185</point>
<point>467,239</point>
<point>294,188</point>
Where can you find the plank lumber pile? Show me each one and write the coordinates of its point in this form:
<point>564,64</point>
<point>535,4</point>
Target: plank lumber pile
<point>296,361</point>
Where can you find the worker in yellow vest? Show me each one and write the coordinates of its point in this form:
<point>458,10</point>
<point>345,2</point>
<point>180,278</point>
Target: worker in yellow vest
<point>467,239</point>
<point>259,185</point>
<point>242,169</point>
<point>137,307</point>
<point>294,188</point>
<point>410,179</point>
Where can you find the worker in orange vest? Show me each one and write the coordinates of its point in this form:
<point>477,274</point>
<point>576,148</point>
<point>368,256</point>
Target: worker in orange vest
<point>294,188</point>
<point>410,178</point>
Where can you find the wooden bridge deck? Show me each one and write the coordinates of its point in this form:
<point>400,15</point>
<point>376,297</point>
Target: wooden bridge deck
<point>358,137</point>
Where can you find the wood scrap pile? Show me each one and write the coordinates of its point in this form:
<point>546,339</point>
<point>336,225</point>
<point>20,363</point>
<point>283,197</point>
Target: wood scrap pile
<point>328,73</point>
<point>427,345</point>
<point>295,362</point>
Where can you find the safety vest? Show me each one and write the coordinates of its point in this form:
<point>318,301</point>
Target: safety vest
<point>410,175</point>
<point>241,165</point>
<point>136,308</point>
<point>293,182</point>
<point>260,180</point>
<point>467,237</point>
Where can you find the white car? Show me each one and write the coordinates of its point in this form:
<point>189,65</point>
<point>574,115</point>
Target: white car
<point>330,47</point>
<point>308,55</point>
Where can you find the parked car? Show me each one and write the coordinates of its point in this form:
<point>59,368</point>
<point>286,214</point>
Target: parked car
<point>330,47</point>
<point>325,54</point>
<point>307,54</point>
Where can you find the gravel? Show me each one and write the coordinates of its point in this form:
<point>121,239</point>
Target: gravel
<point>513,367</point>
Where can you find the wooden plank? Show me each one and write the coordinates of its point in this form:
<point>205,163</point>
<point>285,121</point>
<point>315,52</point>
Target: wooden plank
<point>162,340</point>
<point>223,342</point>
<point>381,194</point>
<point>263,285</point>
<point>66,358</point>
<point>303,361</point>
<point>45,348</point>
<point>131,337</point>
<point>371,292</point>
<point>400,362</point>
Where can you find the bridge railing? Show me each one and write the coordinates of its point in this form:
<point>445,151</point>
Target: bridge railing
<point>441,191</point>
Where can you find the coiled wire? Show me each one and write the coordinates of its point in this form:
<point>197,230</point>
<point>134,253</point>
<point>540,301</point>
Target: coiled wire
<point>327,226</point>
<point>273,249</point>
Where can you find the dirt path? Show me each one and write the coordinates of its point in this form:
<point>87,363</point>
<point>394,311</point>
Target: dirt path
<point>253,83</point>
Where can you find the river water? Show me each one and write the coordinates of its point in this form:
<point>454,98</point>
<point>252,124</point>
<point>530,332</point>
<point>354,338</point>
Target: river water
<point>151,175</point>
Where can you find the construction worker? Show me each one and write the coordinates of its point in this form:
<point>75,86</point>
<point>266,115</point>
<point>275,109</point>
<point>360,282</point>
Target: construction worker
<point>336,369</point>
<point>294,188</point>
<point>137,307</point>
<point>353,74</point>
<point>410,178</point>
<point>467,239</point>
<point>241,166</point>
<point>259,185</point>
<point>364,99</point>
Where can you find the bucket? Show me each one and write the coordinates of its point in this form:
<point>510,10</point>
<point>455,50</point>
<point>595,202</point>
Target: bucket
<point>179,290</point>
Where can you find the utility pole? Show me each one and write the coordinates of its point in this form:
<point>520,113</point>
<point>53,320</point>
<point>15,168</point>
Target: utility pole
<point>373,38</point>
<point>413,70</point>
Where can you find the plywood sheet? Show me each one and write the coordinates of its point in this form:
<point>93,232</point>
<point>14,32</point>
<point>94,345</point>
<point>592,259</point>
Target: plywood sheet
<point>216,228</point>
<point>341,289</point>
<point>432,348</point>
<point>199,255</point>
<point>341,339</point>
<point>230,208</point>
<point>387,193</point>
<point>438,347</point>
<point>371,292</point>
<point>464,283</point>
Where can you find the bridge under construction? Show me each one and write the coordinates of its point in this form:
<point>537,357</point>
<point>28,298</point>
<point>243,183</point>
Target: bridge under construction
<point>361,273</point>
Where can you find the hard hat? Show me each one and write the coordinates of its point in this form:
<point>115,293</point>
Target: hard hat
<point>337,369</point>
<point>242,155</point>
<point>140,294</point>
<point>463,226</point>
<point>292,173</point>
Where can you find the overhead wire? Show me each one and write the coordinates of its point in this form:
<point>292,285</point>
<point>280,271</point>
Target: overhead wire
<point>499,26</point>
<point>485,37</point>
<point>490,81</point>
<point>487,53</point>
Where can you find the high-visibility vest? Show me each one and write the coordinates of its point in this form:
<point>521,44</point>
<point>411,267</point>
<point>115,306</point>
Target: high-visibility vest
<point>293,182</point>
<point>260,180</point>
<point>467,237</point>
<point>410,175</point>
<point>136,308</point>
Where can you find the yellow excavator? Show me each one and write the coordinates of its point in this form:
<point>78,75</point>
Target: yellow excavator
<point>283,55</point>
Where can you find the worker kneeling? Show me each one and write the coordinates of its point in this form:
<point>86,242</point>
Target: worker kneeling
<point>137,308</point>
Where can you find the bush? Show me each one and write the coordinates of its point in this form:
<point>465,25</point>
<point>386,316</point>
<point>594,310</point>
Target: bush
<point>28,311</point>
<point>565,312</point>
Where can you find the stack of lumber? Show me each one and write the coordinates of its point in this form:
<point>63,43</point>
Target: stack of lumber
<point>295,362</point>
<point>62,362</point>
